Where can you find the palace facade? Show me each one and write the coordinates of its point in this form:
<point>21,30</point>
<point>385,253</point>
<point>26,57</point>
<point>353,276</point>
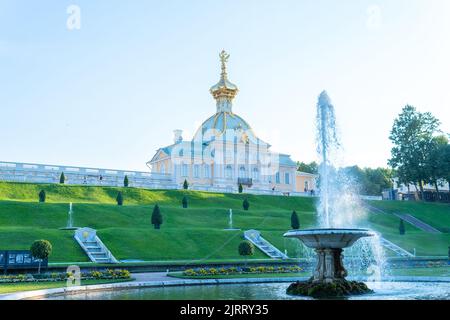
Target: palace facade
<point>225,152</point>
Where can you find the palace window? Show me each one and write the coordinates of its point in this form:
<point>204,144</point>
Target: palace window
<point>287,178</point>
<point>277,177</point>
<point>306,186</point>
<point>255,174</point>
<point>228,172</point>
<point>184,170</point>
<point>206,171</point>
<point>196,171</point>
<point>242,172</point>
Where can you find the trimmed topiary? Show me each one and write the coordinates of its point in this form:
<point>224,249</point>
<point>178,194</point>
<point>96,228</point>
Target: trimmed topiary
<point>184,202</point>
<point>41,249</point>
<point>125,181</point>
<point>42,196</point>
<point>401,228</point>
<point>295,223</point>
<point>62,178</point>
<point>157,219</point>
<point>119,199</point>
<point>240,188</point>
<point>246,248</point>
<point>185,184</point>
<point>245,204</point>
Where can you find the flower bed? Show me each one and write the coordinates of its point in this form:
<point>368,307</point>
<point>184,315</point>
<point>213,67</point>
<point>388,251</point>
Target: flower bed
<point>54,277</point>
<point>239,270</point>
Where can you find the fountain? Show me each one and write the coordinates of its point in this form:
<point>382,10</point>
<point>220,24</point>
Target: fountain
<point>69,225</point>
<point>329,276</point>
<point>230,222</point>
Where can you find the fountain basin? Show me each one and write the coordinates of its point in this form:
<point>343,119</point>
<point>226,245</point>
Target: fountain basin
<point>328,278</point>
<point>329,238</point>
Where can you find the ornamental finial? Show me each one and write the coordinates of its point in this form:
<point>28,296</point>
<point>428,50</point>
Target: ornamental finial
<point>224,59</point>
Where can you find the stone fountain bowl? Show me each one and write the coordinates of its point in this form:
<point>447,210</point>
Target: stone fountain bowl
<point>329,238</point>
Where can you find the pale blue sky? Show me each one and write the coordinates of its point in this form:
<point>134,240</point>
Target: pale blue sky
<point>109,94</point>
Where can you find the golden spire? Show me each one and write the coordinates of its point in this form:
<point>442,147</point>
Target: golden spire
<point>224,59</point>
<point>224,91</point>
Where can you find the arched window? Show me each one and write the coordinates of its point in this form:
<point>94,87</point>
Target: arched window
<point>255,174</point>
<point>242,172</point>
<point>228,172</point>
<point>196,171</point>
<point>287,178</point>
<point>277,177</point>
<point>206,171</point>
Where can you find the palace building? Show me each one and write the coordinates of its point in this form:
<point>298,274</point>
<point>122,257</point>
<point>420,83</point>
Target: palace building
<point>224,153</point>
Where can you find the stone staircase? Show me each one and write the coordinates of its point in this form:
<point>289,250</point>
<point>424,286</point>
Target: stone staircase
<point>254,236</point>
<point>92,245</point>
<point>395,248</point>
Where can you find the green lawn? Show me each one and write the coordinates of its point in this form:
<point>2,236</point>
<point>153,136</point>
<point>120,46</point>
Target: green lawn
<point>29,286</point>
<point>195,233</point>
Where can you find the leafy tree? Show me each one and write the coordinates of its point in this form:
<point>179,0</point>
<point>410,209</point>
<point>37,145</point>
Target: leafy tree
<point>157,218</point>
<point>184,202</point>
<point>240,188</point>
<point>245,204</point>
<point>62,178</point>
<point>41,249</point>
<point>119,198</point>
<point>185,184</point>
<point>295,223</point>
<point>42,196</point>
<point>438,161</point>
<point>311,167</point>
<point>412,136</point>
<point>401,227</point>
<point>125,181</point>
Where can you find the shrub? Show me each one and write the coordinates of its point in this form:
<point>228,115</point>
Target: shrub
<point>246,248</point>
<point>240,188</point>
<point>41,249</point>
<point>42,196</point>
<point>184,202</point>
<point>245,204</point>
<point>185,184</point>
<point>62,178</point>
<point>157,219</point>
<point>401,227</point>
<point>119,199</point>
<point>295,223</point>
<point>125,181</point>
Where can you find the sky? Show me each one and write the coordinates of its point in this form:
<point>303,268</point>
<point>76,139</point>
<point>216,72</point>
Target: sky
<point>107,90</point>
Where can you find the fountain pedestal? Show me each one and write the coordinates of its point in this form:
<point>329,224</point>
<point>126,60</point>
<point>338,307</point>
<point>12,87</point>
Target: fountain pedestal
<point>328,278</point>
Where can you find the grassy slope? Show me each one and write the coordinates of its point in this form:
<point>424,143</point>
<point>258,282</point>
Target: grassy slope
<point>193,233</point>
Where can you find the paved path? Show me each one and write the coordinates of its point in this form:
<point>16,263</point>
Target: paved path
<point>152,276</point>
<point>417,223</point>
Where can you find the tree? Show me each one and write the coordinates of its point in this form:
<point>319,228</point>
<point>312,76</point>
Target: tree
<point>412,136</point>
<point>119,198</point>
<point>311,167</point>
<point>438,161</point>
<point>125,181</point>
<point>295,223</point>
<point>246,249</point>
<point>245,204</point>
<point>62,178</point>
<point>185,184</point>
<point>401,228</point>
<point>41,249</point>
<point>42,196</point>
<point>184,202</point>
<point>240,188</point>
<point>157,219</point>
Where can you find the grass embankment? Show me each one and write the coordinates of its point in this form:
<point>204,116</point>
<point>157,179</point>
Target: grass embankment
<point>195,233</point>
